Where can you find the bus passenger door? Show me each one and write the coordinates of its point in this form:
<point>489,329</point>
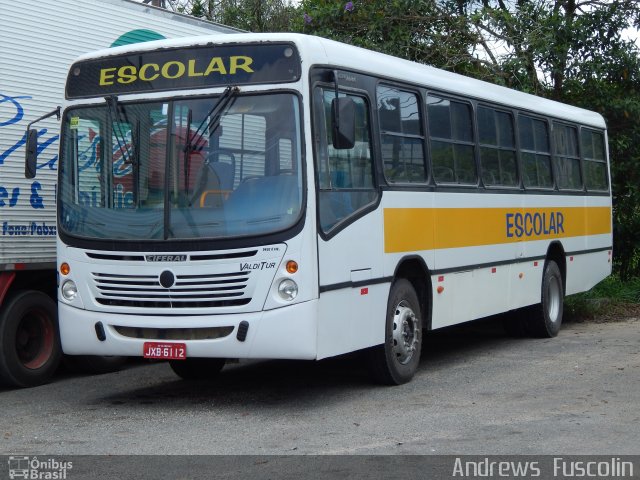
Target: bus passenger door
<point>350,236</point>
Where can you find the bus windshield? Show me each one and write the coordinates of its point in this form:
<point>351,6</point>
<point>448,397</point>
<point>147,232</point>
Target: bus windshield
<point>206,167</point>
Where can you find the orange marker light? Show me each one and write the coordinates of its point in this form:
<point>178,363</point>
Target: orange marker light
<point>440,289</point>
<point>292,266</point>
<point>65,269</point>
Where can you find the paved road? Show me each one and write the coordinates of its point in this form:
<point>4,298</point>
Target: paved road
<point>477,392</point>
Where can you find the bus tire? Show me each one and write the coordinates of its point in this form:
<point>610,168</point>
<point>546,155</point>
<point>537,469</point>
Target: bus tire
<point>30,350</point>
<point>197,368</point>
<point>93,364</point>
<point>396,361</point>
<point>544,320</point>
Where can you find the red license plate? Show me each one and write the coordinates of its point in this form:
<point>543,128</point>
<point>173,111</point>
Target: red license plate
<point>165,351</point>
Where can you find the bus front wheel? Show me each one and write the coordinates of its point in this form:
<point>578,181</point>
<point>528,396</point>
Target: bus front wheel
<point>396,361</point>
<point>197,368</point>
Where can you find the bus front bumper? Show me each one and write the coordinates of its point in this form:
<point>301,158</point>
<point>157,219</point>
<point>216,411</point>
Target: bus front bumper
<point>288,333</point>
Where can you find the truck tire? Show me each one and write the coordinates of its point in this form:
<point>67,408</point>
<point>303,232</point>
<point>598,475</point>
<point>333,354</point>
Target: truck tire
<point>197,368</point>
<point>29,339</point>
<point>396,361</point>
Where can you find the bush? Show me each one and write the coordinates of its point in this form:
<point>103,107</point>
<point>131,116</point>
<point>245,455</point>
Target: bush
<point>611,299</point>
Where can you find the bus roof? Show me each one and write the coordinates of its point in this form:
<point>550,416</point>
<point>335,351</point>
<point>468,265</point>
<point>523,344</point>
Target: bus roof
<point>320,51</point>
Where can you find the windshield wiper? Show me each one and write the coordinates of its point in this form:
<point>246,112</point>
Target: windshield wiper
<point>187,152</point>
<point>212,119</point>
<point>112,107</point>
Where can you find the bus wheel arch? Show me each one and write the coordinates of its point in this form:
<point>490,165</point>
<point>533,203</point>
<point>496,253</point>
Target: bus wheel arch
<point>407,315</point>
<point>544,319</point>
<point>556,253</point>
<point>414,269</point>
<point>395,361</point>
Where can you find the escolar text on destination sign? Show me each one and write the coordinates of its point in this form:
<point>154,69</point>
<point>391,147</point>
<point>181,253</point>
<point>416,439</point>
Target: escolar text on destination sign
<point>174,69</point>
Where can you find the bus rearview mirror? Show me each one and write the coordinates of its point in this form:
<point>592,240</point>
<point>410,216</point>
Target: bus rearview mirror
<point>343,116</point>
<point>31,154</point>
<point>31,151</point>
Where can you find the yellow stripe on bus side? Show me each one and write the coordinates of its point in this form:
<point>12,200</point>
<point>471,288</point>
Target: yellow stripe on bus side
<point>411,229</point>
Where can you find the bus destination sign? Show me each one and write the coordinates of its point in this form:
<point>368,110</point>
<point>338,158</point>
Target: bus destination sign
<point>184,68</point>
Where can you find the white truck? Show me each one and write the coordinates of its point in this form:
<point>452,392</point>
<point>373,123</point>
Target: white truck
<point>38,41</point>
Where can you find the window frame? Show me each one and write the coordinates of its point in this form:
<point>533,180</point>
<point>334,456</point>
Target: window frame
<point>515,149</point>
<point>426,163</point>
<point>546,121</point>
<point>604,161</point>
<point>473,143</point>
<point>556,156</point>
<point>319,133</point>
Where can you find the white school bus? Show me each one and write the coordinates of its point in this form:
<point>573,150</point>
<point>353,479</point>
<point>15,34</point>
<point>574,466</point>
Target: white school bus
<point>287,196</point>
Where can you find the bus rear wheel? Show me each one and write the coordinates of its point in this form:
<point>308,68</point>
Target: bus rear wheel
<point>30,349</point>
<point>544,320</point>
<point>197,368</point>
<point>395,362</point>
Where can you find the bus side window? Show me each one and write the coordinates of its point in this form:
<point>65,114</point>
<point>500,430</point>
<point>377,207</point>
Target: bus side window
<point>345,176</point>
<point>595,162</point>
<point>451,139</point>
<point>401,136</point>
<point>535,152</point>
<point>497,148</point>
<point>567,161</point>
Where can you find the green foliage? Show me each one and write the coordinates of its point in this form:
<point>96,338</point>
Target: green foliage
<point>249,15</point>
<point>611,298</point>
<point>424,31</point>
<point>569,50</point>
<point>575,52</point>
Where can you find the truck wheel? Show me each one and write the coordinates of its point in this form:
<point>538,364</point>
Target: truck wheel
<point>29,339</point>
<point>197,368</point>
<point>544,320</point>
<point>396,361</point>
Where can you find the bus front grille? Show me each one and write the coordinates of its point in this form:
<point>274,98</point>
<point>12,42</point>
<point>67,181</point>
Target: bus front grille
<point>186,291</point>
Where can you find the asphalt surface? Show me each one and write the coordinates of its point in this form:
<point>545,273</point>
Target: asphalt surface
<point>477,392</point>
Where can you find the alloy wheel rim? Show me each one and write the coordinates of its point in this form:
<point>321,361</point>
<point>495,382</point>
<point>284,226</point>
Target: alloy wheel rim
<point>406,333</point>
<point>553,299</point>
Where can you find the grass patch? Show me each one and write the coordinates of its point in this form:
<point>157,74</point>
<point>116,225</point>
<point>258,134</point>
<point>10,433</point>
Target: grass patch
<point>611,299</point>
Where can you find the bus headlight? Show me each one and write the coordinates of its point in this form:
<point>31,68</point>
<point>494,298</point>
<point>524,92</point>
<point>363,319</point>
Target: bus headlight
<point>69,290</point>
<point>288,289</point>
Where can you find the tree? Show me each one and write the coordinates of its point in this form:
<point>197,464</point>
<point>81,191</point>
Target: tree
<point>573,51</point>
<point>250,15</point>
<point>424,31</point>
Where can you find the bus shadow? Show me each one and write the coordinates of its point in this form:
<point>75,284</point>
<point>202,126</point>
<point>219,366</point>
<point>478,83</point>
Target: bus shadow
<point>445,344</point>
<point>256,385</point>
<point>264,384</point>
